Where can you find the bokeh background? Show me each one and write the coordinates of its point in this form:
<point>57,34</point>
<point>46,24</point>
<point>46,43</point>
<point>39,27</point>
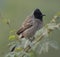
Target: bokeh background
<point>16,11</point>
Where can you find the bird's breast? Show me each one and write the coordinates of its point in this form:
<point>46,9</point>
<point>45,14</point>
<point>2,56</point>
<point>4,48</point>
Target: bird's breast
<point>32,30</point>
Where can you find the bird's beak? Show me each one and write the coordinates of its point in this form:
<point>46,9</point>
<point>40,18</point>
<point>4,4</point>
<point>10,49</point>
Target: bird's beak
<point>43,15</point>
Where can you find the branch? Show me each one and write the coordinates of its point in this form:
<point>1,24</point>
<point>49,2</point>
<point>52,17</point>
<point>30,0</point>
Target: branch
<point>40,42</point>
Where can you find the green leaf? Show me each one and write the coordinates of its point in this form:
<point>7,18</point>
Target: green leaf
<point>12,37</point>
<point>18,49</point>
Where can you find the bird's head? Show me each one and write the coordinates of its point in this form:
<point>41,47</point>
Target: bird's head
<point>38,15</point>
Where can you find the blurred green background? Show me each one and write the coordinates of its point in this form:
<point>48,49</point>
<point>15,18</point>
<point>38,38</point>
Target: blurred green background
<point>17,10</point>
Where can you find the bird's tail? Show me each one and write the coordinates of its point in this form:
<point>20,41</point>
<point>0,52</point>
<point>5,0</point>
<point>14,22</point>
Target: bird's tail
<point>13,48</point>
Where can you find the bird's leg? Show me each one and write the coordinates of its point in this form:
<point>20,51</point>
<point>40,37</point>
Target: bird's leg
<point>32,39</point>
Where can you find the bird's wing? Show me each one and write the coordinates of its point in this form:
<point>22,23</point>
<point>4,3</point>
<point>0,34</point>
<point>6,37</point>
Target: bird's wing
<point>26,24</point>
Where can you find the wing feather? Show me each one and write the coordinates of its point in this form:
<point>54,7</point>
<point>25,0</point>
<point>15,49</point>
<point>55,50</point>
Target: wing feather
<point>26,24</point>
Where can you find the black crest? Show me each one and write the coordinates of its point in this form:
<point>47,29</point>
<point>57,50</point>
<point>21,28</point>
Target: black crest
<point>37,14</point>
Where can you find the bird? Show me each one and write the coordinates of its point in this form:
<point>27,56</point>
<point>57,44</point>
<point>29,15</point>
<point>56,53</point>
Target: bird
<point>31,25</point>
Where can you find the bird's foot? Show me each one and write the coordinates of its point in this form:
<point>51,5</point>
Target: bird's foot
<point>32,39</point>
